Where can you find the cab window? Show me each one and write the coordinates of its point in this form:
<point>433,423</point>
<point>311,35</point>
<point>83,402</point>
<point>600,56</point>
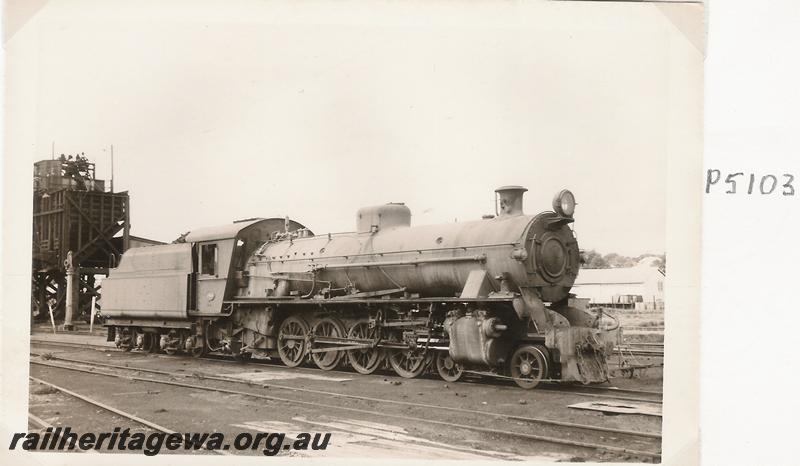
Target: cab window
<point>208,259</point>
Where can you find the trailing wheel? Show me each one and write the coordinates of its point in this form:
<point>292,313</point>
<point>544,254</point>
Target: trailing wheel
<point>292,341</point>
<point>328,327</point>
<point>408,363</point>
<point>528,365</point>
<point>364,360</point>
<point>447,368</point>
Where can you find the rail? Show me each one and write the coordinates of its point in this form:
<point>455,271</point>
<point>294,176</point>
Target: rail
<point>119,412</point>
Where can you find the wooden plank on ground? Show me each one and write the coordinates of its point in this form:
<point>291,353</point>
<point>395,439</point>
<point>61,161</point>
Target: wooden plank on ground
<point>620,407</point>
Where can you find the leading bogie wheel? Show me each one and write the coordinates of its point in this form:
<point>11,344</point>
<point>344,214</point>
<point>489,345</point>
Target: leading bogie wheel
<point>292,341</point>
<point>528,366</point>
<point>328,327</point>
<point>364,360</point>
<point>447,368</point>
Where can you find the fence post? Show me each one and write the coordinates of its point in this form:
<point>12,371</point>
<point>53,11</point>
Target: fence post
<point>52,319</point>
<point>91,319</point>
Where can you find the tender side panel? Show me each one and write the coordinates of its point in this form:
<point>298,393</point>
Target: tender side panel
<point>150,282</point>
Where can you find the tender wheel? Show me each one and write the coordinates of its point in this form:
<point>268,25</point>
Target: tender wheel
<point>147,342</point>
<point>173,344</point>
<point>447,368</point>
<point>155,338</point>
<point>328,327</point>
<point>196,346</point>
<point>139,340</point>
<point>408,363</point>
<point>128,339</point>
<point>292,341</point>
<point>364,360</point>
<point>528,365</point>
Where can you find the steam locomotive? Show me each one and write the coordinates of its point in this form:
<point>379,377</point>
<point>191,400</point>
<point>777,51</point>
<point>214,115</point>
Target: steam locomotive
<point>487,296</point>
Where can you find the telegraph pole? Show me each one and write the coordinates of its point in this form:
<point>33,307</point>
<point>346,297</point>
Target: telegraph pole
<point>112,168</point>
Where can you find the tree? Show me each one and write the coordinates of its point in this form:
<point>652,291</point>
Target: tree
<point>662,263</point>
<point>593,260</point>
<point>617,260</point>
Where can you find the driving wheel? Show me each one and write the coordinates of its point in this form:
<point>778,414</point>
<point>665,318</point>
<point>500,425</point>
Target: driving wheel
<point>292,341</point>
<point>408,363</point>
<point>328,327</point>
<point>364,360</point>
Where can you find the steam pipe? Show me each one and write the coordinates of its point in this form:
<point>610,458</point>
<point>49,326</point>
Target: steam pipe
<point>478,258</point>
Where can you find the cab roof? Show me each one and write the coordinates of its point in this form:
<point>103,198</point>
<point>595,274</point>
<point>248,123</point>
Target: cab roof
<point>227,231</point>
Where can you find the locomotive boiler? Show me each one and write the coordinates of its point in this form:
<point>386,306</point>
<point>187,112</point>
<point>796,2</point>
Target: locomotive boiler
<point>485,296</point>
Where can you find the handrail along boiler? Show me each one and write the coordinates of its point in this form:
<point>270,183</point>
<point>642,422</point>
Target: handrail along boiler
<point>489,296</point>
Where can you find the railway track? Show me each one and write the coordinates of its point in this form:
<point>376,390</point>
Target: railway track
<point>37,423</point>
<point>106,407</point>
<point>565,431</point>
<point>584,390</point>
<point>335,394</point>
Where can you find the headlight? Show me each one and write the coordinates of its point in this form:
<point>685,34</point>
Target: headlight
<point>564,203</point>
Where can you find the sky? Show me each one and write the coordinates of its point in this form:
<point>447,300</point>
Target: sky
<point>242,109</point>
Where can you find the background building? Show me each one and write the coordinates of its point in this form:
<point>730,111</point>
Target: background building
<point>640,287</point>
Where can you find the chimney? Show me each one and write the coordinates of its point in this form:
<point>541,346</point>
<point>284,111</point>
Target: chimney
<point>510,200</point>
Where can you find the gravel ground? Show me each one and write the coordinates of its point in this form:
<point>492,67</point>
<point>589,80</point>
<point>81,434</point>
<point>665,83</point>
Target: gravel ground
<point>358,434</point>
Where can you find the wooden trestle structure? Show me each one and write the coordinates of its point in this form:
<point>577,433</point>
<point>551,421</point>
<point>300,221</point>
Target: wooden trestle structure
<point>72,212</point>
